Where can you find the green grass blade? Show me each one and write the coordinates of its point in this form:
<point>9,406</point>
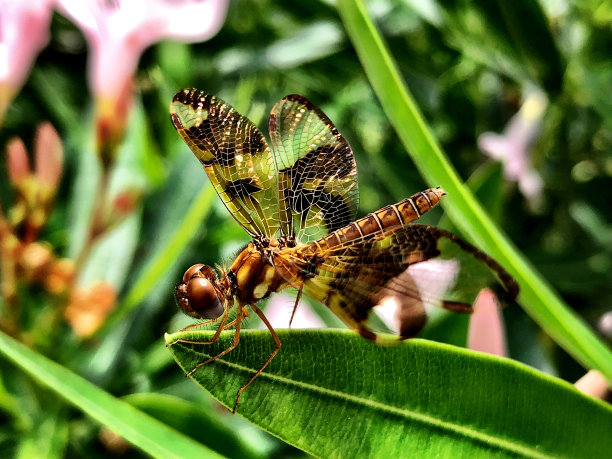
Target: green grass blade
<point>335,394</point>
<point>537,297</point>
<point>136,427</point>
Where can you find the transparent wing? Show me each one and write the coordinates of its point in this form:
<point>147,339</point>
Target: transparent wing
<point>404,267</point>
<point>317,174</point>
<point>235,155</point>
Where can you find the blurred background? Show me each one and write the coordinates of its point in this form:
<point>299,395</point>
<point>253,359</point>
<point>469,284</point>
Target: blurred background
<point>104,207</point>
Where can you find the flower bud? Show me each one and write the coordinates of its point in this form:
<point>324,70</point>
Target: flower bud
<point>18,163</point>
<point>49,157</point>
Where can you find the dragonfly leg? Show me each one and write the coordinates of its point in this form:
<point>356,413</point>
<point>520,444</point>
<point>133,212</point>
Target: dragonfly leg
<point>238,322</point>
<point>200,324</point>
<point>278,346</point>
<point>297,299</point>
<point>215,337</point>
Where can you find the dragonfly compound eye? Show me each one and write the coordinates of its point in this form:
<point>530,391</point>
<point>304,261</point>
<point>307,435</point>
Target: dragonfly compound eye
<point>192,272</point>
<point>203,299</point>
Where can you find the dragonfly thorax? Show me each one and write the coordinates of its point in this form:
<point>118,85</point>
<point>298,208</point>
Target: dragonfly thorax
<point>255,275</point>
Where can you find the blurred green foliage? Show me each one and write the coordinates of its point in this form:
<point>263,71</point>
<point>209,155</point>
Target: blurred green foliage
<point>469,64</point>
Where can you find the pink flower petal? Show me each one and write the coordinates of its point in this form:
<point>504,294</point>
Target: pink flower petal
<point>513,147</point>
<point>119,31</point>
<point>24,31</point>
<point>486,331</point>
<point>594,384</point>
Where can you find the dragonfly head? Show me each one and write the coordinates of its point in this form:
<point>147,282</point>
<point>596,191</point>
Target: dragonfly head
<point>197,295</point>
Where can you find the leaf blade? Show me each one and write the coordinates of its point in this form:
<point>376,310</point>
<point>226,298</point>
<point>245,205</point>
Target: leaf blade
<point>386,400</point>
<point>143,431</point>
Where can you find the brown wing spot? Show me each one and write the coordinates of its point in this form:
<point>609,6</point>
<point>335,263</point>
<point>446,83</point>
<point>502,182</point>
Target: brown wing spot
<point>335,210</point>
<point>508,282</point>
<point>176,121</point>
<point>309,106</point>
<point>193,97</point>
<point>457,307</point>
<point>272,123</point>
<point>242,188</point>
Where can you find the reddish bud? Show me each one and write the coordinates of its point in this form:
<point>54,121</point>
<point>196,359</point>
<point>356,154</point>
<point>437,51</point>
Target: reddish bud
<point>49,156</point>
<point>18,163</point>
<point>125,202</point>
<point>486,332</point>
<point>594,384</point>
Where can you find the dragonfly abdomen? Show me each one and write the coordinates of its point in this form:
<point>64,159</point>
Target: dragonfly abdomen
<point>406,210</point>
<point>398,214</point>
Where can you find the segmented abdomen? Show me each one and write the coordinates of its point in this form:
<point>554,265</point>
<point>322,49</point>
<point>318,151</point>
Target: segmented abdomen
<point>398,214</point>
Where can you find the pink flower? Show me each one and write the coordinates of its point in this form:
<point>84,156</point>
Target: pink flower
<point>486,331</point>
<point>594,384</point>
<point>513,147</point>
<point>18,162</point>
<point>119,31</point>
<point>24,31</point>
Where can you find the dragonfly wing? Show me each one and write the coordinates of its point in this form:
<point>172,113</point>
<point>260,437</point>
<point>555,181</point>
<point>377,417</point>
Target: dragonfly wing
<point>407,267</point>
<point>317,173</point>
<point>235,155</point>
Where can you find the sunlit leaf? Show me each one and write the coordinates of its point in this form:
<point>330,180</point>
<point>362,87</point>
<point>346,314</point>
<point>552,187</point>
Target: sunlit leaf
<point>143,431</point>
<point>333,393</point>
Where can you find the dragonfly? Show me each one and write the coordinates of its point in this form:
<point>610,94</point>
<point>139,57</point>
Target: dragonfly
<point>297,197</point>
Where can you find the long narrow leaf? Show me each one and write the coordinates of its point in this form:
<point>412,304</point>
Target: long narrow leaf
<point>139,429</point>
<point>334,394</point>
<point>537,297</point>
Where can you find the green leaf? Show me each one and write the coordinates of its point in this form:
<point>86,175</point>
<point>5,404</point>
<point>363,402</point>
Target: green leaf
<point>537,297</point>
<point>335,394</point>
<point>205,426</point>
<point>143,431</point>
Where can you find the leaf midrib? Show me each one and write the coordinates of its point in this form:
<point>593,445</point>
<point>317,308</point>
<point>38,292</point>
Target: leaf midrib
<point>472,434</point>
